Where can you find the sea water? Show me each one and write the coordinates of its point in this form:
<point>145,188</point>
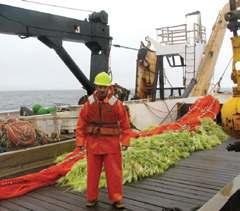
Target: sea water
<point>13,100</point>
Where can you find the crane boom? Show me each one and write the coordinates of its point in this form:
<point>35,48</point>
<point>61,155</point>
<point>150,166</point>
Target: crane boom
<point>211,52</point>
<point>52,30</point>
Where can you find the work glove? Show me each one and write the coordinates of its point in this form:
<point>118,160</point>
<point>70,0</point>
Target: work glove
<point>233,147</point>
<point>124,147</point>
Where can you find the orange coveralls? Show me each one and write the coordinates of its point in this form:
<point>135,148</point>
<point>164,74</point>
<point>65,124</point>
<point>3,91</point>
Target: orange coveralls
<point>96,120</point>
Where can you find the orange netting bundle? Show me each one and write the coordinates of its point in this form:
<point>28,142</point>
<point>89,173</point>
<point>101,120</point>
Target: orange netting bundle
<point>20,133</point>
<point>9,188</point>
<point>206,107</point>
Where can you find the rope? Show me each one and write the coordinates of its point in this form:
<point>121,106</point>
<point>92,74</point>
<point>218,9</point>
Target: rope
<point>169,113</point>
<point>167,79</point>
<point>221,77</point>
<point>58,6</point>
<point>163,119</point>
<point>149,108</point>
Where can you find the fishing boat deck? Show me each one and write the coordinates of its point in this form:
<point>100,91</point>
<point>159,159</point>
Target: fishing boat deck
<point>188,185</point>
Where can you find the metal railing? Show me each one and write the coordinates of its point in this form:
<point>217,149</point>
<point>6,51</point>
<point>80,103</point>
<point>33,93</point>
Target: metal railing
<point>179,34</point>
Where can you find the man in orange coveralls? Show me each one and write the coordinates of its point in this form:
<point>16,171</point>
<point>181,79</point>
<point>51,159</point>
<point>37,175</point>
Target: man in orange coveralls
<point>103,130</point>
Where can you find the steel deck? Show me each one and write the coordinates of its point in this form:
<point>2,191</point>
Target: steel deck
<point>188,185</point>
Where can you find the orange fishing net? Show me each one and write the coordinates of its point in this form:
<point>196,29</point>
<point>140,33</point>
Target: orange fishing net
<point>206,107</point>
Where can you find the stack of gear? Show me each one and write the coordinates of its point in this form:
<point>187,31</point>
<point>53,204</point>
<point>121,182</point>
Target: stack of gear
<point>16,133</point>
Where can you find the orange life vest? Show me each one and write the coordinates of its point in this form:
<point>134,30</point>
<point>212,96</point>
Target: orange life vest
<point>102,118</point>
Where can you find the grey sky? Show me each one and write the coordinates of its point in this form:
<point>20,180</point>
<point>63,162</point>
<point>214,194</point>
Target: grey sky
<point>28,64</point>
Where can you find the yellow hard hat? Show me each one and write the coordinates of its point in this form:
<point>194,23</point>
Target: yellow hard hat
<point>103,79</point>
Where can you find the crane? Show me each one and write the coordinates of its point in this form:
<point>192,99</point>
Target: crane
<point>52,30</point>
<point>231,108</point>
<point>211,51</point>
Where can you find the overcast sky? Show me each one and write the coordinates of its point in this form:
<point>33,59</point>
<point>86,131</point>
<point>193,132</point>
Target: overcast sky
<point>29,65</point>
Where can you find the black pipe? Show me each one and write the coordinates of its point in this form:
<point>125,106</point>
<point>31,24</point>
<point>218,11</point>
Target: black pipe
<point>161,76</point>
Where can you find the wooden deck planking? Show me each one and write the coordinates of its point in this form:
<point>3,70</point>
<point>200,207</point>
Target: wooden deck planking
<point>189,184</point>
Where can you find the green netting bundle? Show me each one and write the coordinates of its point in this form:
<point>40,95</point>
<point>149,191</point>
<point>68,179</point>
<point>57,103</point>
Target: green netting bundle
<point>150,156</point>
<point>35,108</point>
<point>40,110</point>
<point>51,109</point>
